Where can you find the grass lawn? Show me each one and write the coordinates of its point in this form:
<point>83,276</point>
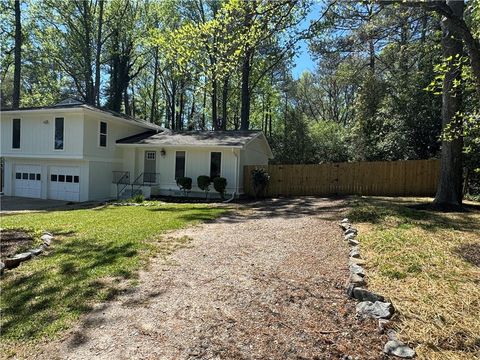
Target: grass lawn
<point>425,262</point>
<point>94,251</point>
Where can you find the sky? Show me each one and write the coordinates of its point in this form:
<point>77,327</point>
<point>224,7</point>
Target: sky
<point>303,60</point>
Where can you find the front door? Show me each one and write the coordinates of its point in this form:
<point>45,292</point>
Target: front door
<point>150,167</point>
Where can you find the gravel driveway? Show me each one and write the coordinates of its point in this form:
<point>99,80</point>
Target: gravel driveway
<point>266,282</point>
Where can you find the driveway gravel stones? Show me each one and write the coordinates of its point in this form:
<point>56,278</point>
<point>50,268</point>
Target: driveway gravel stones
<point>263,283</point>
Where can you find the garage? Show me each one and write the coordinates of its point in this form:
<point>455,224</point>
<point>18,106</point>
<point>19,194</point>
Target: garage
<point>64,183</point>
<point>28,181</point>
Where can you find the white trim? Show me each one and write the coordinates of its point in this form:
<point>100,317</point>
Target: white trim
<point>261,134</point>
<point>100,134</point>
<point>54,125</point>
<point>84,108</point>
<point>181,146</point>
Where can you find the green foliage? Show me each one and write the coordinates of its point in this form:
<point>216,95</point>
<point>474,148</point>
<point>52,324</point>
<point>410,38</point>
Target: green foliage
<point>203,183</point>
<point>220,184</point>
<point>185,184</point>
<point>260,180</point>
<point>139,198</point>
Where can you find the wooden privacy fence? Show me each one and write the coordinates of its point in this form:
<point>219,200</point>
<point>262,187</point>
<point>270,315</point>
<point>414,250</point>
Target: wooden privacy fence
<point>382,178</point>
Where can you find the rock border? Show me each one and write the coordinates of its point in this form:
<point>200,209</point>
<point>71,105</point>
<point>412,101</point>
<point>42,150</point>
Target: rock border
<point>17,259</point>
<point>370,305</point>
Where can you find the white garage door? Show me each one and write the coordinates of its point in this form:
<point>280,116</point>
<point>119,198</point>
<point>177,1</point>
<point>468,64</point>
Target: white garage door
<point>28,181</point>
<point>64,183</point>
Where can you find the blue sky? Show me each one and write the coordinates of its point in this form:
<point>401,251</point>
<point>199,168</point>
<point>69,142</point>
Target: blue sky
<point>303,60</point>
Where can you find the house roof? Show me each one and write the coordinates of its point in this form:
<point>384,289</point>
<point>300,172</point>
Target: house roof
<point>229,138</point>
<point>71,103</point>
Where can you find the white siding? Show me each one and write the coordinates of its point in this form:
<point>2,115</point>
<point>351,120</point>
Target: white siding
<point>255,153</point>
<point>115,130</point>
<point>197,163</point>
<point>37,134</point>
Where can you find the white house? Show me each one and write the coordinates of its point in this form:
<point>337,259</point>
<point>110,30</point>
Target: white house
<point>75,152</point>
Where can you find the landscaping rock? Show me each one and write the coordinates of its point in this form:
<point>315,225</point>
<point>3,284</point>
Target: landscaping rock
<point>397,348</point>
<point>382,325</point>
<point>47,239</point>
<point>14,261</point>
<point>351,230</point>
<point>365,295</point>
<point>345,220</point>
<point>47,233</point>
<point>355,252</point>
<point>36,251</point>
<point>353,242</point>
<point>357,269</point>
<point>350,288</point>
<point>345,226</point>
<point>357,280</point>
<point>350,236</point>
<point>356,261</point>
<point>375,310</point>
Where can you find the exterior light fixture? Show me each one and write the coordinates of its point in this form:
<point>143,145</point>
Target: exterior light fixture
<point>163,152</point>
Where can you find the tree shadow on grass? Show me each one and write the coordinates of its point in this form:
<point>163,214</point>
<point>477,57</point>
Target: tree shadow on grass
<point>378,210</point>
<point>43,298</point>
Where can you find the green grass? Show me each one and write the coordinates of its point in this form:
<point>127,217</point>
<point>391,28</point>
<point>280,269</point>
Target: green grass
<point>94,251</point>
<point>413,258</point>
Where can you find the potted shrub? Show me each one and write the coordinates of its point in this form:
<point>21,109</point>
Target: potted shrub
<point>203,182</point>
<point>220,184</point>
<point>185,184</point>
<point>260,179</point>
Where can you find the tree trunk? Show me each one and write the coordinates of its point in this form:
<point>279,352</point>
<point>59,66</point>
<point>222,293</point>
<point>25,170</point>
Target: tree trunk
<point>98,54</point>
<point>87,53</point>
<point>214,104</point>
<point>202,125</point>
<point>245,109</point>
<point>449,190</point>
<point>154,90</point>
<point>224,103</point>
<point>17,56</point>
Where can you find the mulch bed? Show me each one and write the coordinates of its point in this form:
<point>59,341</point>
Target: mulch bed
<point>14,241</point>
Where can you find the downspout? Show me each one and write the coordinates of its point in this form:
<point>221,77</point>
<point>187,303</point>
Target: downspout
<point>236,178</point>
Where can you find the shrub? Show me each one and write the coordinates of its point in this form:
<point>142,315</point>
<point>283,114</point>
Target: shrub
<point>260,179</point>
<point>139,198</point>
<point>220,184</point>
<point>185,184</point>
<point>203,182</point>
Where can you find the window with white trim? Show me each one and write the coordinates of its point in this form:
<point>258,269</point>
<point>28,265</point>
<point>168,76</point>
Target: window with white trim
<point>179,164</point>
<point>59,130</point>
<point>16,133</point>
<point>103,134</point>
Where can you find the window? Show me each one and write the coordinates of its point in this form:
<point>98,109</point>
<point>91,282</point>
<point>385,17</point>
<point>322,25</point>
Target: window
<point>103,134</point>
<point>18,176</point>
<point>69,178</point>
<point>31,176</point>
<point>179,164</point>
<point>53,177</point>
<point>16,134</point>
<point>150,155</point>
<point>61,178</point>
<point>76,179</point>
<point>59,133</point>
<point>25,176</point>
<point>38,177</point>
<point>215,164</point>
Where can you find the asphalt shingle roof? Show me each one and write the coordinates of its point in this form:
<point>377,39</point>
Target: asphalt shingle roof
<point>192,138</point>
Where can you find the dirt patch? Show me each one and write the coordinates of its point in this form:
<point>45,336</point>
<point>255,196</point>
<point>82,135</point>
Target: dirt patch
<point>470,253</point>
<point>265,282</point>
<point>13,242</point>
